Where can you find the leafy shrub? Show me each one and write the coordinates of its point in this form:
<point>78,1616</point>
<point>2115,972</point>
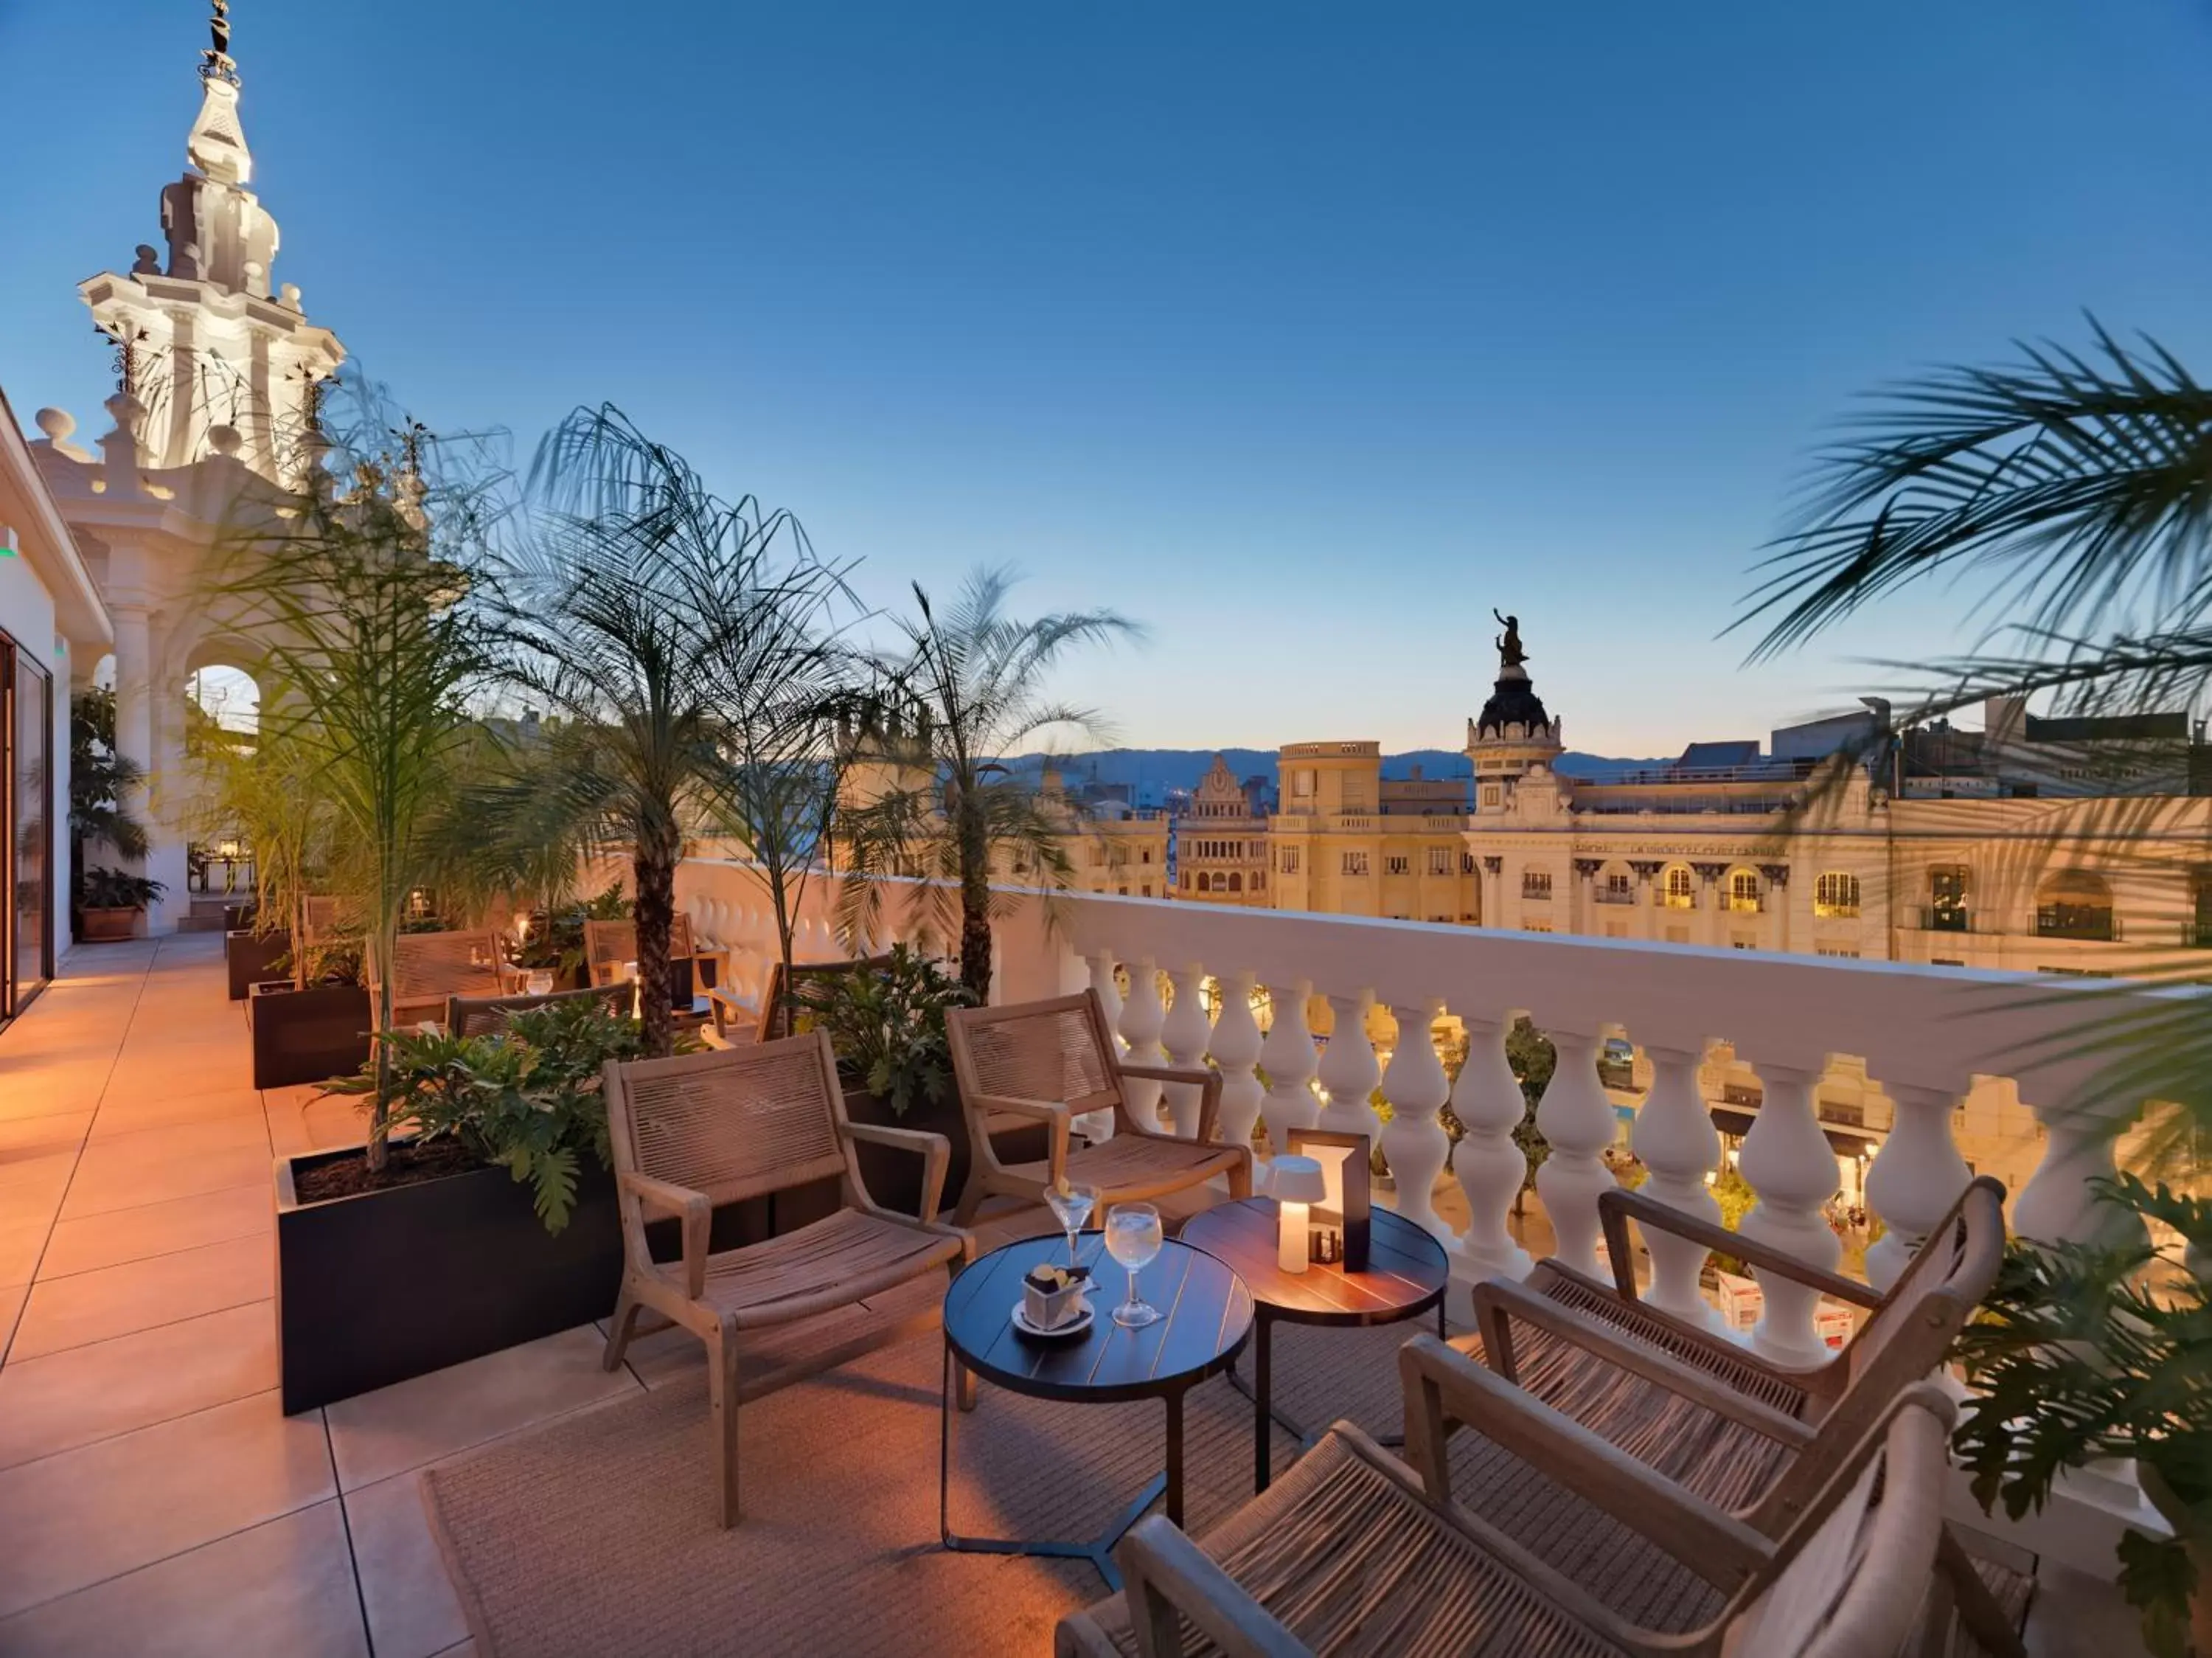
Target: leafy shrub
<point>103,888</point>
<point>525,1098</point>
<point>887,1024</point>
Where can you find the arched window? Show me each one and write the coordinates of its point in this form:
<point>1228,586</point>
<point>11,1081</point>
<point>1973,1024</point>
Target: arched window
<point>1743,891</point>
<point>1680,891</point>
<point>1235,882</point>
<point>2074,904</point>
<point>1836,893</point>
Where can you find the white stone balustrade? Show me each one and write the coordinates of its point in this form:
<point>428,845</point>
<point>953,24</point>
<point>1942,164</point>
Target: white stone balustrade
<point>1924,1033</point>
<point>1143,1015</point>
<point>1183,1034</point>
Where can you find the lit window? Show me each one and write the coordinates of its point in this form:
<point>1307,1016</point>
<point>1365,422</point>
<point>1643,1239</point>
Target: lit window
<point>1680,891</point>
<point>1835,894</point>
<point>1743,891</point>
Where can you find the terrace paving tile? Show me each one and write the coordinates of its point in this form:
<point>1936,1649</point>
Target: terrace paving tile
<point>85,1394</point>
<point>114,1301</point>
<point>11,1305</point>
<point>152,1229</point>
<point>89,1514</point>
<point>377,1434</point>
<point>130,1185</point>
<point>120,1116</point>
<point>168,1142</point>
<point>413,1611</point>
<point>60,1129</point>
<point>22,1240</point>
<point>285,1586</point>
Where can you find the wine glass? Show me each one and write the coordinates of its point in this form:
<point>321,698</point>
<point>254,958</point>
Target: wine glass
<point>1133,1238</point>
<point>1073,1207</point>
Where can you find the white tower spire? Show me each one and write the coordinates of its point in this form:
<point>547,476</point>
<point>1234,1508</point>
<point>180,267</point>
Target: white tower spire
<point>206,347</point>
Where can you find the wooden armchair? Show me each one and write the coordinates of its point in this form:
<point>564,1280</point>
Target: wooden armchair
<point>695,1132</point>
<point>736,1022</point>
<point>1051,1062</point>
<point>1352,1552</point>
<point>609,945</point>
<point>1733,1430</point>
<point>428,968</point>
<point>479,1016</point>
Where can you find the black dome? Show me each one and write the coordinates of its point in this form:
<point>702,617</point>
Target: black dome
<point>1513,701</point>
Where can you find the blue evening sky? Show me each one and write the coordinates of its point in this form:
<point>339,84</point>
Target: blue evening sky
<point>1303,333</point>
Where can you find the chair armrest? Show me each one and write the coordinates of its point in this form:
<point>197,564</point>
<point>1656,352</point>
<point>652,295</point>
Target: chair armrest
<point>1498,1301</point>
<point>726,1010</point>
<point>1208,1081</point>
<point>1169,1073</point>
<point>1441,1384</point>
<point>935,1150</point>
<point>1168,1577</point>
<point>696,1211</point>
<point>1615,1209</point>
<point>979,1107</point>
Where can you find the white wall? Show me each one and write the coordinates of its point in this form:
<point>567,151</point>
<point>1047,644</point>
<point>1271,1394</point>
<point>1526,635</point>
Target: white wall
<point>26,615</point>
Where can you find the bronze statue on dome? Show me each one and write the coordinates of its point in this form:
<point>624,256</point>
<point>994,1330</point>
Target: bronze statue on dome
<point>1510,654</point>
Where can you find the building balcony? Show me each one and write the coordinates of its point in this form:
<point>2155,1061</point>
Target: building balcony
<point>155,1495</point>
<point>1947,918</point>
<point>2077,921</point>
<point>1605,895</point>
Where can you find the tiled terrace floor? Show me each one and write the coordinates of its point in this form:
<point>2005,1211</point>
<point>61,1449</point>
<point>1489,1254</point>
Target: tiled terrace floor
<point>152,1496</point>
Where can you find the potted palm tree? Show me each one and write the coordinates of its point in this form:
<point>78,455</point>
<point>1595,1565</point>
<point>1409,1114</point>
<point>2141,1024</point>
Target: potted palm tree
<point>928,790</point>
<point>646,615</point>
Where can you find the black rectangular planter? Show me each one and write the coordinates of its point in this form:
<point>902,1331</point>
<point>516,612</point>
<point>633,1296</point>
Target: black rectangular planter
<point>894,1175</point>
<point>308,1036</point>
<point>382,1286</point>
<point>250,961</point>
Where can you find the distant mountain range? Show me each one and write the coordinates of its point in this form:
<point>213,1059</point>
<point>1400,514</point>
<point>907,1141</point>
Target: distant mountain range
<point>1159,770</point>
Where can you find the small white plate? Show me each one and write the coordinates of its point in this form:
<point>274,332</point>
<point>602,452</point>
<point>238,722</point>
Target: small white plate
<point>1072,1327</point>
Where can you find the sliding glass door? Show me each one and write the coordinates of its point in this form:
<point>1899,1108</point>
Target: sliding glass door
<point>26,825</point>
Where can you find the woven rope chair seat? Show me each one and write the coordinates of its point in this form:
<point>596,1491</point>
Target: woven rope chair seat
<point>1125,1161</point>
<point>852,1252</point>
<point>1357,1567</point>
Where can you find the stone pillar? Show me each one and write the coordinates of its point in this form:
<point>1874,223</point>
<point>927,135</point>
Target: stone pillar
<point>1290,1059</point>
<point>1777,931</point>
<point>1183,1033</point>
<point>1581,915</point>
<point>1916,1177</point>
<point>1235,1046</point>
<point>1576,1122</point>
<point>1142,1016</point>
<point>1647,901</point>
<point>1348,1071</point>
<point>1786,1160</point>
<point>1676,1139</point>
<point>1414,1141</point>
<point>1714,897</point>
<point>1490,1167</point>
<point>1493,891</point>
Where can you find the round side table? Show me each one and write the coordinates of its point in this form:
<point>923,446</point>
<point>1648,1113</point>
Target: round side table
<point>1406,1274</point>
<point>1205,1317</point>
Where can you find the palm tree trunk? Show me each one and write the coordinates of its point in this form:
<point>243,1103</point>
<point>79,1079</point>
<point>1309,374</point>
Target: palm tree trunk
<point>974,901</point>
<point>652,871</point>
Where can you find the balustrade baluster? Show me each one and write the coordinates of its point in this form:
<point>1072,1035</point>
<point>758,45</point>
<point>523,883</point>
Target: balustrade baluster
<point>1676,1139</point>
<point>1577,1121</point>
<point>1786,1160</point>
<point>1490,1165</point>
<point>1142,1016</point>
<point>1914,1177</point>
<point>1415,1140</point>
<point>1290,1058</point>
<point>1348,1071</point>
<point>2057,1203</point>
<point>1183,1033</point>
<point>1097,1126</point>
<point>1235,1046</point>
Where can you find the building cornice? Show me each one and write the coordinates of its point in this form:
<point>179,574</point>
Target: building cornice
<point>80,614</point>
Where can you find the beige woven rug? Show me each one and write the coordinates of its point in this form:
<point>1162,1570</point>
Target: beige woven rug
<point>595,1535</point>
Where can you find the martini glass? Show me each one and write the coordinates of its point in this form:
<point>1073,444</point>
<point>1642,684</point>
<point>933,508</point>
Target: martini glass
<point>1072,1207</point>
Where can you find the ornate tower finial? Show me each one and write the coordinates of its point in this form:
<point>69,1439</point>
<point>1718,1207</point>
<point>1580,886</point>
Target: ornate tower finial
<point>216,63</point>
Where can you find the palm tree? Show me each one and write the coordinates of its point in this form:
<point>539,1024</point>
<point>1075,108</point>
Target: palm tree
<point>644,614</point>
<point>368,602</point>
<point>966,691</point>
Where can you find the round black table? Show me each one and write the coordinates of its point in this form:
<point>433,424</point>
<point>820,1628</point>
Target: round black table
<point>1407,1273</point>
<point>1205,1317</point>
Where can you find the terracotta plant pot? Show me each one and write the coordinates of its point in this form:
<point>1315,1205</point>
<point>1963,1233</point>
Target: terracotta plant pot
<point>106,926</point>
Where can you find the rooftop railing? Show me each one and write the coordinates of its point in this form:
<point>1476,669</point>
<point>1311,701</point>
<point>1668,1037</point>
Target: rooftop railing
<point>1925,1035</point>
